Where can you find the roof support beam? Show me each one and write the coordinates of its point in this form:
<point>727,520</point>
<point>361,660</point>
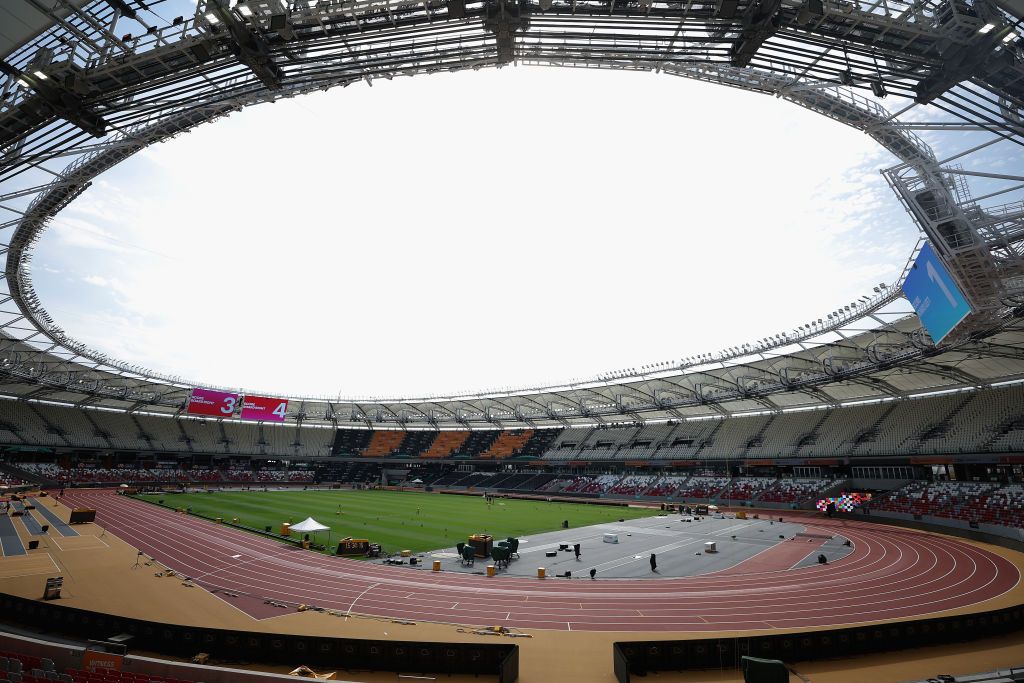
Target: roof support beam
<point>250,47</point>
<point>760,22</point>
<point>503,18</point>
<point>52,100</point>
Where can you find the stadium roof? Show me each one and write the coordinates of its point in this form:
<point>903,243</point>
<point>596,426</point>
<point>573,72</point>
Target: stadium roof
<point>23,21</point>
<point>892,362</point>
<point>79,97</point>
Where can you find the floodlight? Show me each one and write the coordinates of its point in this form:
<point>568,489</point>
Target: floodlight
<point>212,18</point>
<point>244,9</point>
<point>1009,36</point>
<point>40,74</point>
<point>986,28</point>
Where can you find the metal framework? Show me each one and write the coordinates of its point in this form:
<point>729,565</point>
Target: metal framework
<point>109,77</point>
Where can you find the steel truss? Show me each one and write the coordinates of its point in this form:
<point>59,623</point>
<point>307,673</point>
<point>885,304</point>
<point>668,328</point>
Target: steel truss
<point>84,96</point>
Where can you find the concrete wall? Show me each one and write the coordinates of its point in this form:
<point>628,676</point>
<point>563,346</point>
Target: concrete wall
<point>67,656</point>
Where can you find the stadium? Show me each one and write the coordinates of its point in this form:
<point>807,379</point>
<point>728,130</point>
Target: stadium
<point>842,500</point>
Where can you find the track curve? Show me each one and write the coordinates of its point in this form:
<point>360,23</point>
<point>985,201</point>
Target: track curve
<point>892,573</point>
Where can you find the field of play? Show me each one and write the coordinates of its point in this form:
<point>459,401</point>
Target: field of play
<point>398,520</point>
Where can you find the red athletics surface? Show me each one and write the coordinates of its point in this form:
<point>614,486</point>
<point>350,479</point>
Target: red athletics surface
<point>782,555</point>
<point>891,573</point>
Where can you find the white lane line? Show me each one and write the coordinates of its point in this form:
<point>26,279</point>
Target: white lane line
<point>368,588</point>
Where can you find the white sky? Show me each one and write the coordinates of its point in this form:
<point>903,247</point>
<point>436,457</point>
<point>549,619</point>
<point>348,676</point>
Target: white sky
<point>471,231</point>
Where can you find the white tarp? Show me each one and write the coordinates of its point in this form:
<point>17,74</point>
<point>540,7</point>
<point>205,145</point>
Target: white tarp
<point>309,524</point>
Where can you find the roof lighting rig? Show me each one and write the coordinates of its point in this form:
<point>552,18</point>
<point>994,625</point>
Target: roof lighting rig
<point>248,45</point>
<point>111,78</point>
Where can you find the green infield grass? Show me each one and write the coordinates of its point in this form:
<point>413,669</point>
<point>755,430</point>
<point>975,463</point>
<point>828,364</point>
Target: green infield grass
<point>398,520</point>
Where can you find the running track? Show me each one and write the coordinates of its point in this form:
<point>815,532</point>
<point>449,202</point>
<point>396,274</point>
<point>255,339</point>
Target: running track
<point>892,573</point>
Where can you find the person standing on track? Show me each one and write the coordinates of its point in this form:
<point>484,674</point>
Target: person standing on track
<point>654,562</point>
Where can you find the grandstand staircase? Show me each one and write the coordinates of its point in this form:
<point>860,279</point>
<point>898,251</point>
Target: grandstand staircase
<point>96,428</point>
<point>615,483</point>
<point>143,434</point>
<point>666,442</point>
<point>19,473</point>
<point>577,452</point>
<point>443,444</point>
<point>939,428</point>
<point>586,437</point>
<point>540,441</point>
<point>224,439</point>
<point>653,484</point>
<point>811,437</point>
<point>50,427</point>
<point>185,438</point>
<point>869,435</point>
<point>383,442</point>
<point>416,443</point>
<point>758,438</point>
<point>12,429</point>
<point>834,490</point>
<point>1011,425</point>
<point>633,438</point>
<point>709,440</point>
<point>508,444</point>
<point>477,442</point>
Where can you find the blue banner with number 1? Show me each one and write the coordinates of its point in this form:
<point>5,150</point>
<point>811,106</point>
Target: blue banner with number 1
<point>938,301</point>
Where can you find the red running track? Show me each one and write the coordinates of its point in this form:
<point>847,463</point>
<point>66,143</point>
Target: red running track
<point>892,573</point>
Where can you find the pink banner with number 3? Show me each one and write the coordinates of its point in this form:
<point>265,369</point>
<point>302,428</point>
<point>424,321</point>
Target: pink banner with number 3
<point>213,403</point>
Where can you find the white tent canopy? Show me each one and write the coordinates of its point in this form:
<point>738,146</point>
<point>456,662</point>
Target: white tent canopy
<point>309,524</point>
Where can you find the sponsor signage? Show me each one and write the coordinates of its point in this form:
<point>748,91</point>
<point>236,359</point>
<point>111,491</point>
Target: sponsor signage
<point>212,403</point>
<point>264,408</point>
<point>93,660</point>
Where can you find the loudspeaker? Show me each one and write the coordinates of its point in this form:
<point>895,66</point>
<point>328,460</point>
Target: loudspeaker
<point>32,545</point>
